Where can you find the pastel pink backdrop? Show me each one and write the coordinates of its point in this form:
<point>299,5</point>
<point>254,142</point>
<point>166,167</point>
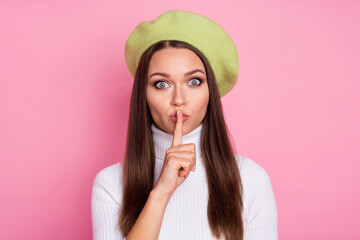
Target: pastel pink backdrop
<point>64,101</point>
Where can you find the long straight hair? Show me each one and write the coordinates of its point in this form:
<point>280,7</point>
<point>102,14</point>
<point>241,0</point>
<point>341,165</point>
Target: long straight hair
<point>225,202</point>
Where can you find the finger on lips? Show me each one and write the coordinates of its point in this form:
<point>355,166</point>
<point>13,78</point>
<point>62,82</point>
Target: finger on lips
<point>180,150</point>
<point>177,140</point>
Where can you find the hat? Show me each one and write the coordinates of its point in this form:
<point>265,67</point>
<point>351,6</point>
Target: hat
<point>197,30</point>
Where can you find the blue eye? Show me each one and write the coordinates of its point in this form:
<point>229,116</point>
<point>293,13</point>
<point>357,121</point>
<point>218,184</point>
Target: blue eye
<point>160,84</point>
<point>195,82</point>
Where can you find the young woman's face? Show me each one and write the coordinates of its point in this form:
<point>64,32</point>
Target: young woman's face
<point>177,81</point>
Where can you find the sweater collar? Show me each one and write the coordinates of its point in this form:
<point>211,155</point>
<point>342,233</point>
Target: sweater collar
<point>163,140</point>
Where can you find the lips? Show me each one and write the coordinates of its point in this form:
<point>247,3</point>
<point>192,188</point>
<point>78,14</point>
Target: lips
<point>173,117</point>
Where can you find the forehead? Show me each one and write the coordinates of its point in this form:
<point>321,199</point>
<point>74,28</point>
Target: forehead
<point>174,60</point>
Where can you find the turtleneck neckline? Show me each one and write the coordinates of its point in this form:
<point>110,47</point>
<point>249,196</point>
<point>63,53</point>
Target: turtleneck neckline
<point>163,140</point>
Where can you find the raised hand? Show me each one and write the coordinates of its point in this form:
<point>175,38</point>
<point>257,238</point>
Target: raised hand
<point>179,160</point>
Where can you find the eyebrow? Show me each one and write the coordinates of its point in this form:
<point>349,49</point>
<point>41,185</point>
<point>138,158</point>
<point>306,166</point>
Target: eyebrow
<point>185,75</point>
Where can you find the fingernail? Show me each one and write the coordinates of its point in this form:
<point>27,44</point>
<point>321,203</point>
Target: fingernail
<point>193,168</point>
<point>178,112</point>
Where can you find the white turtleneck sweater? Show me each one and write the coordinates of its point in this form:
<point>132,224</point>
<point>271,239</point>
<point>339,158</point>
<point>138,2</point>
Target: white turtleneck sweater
<point>186,213</point>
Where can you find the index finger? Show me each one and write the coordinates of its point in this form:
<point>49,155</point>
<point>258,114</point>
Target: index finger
<point>177,140</point>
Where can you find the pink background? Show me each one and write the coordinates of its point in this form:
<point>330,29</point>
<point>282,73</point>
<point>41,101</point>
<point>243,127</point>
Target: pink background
<point>64,101</point>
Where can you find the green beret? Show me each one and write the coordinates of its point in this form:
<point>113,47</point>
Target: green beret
<point>197,30</point>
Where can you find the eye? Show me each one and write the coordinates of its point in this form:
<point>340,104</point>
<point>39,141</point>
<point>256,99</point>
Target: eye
<point>161,84</point>
<point>195,81</point>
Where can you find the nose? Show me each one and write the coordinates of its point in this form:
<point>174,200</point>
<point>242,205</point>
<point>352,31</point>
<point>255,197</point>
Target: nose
<point>179,97</point>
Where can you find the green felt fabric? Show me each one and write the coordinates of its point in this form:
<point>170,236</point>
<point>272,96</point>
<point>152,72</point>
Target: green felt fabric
<point>195,29</point>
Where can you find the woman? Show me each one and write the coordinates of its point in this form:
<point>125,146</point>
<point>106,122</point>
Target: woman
<point>180,178</point>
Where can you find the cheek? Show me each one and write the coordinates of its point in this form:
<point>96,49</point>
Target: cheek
<point>151,101</point>
<point>152,106</point>
<point>202,102</point>
<point>157,102</point>
<point>156,107</point>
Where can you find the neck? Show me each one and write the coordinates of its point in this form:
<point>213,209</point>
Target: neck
<point>163,140</point>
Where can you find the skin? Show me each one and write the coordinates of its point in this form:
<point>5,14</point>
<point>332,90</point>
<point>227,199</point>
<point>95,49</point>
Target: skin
<point>179,94</point>
<point>173,91</point>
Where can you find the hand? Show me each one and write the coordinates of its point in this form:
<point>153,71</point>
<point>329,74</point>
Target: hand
<point>179,160</point>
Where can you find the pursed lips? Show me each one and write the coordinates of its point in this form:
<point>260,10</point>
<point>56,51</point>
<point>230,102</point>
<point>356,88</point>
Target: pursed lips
<point>173,117</point>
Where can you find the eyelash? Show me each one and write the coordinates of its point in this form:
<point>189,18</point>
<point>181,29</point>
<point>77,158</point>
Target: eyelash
<point>199,79</point>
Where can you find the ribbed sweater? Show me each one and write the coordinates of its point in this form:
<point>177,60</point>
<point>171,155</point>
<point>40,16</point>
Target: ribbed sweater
<point>185,215</point>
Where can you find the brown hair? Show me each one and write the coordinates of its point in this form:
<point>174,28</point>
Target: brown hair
<point>224,182</point>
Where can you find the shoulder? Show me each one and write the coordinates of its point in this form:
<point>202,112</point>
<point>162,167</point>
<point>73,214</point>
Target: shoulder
<point>106,201</point>
<point>109,175</point>
<point>255,180</point>
<point>251,171</point>
<point>258,194</point>
<point>109,172</point>
<point>108,182</point>
<point>260,208</point>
